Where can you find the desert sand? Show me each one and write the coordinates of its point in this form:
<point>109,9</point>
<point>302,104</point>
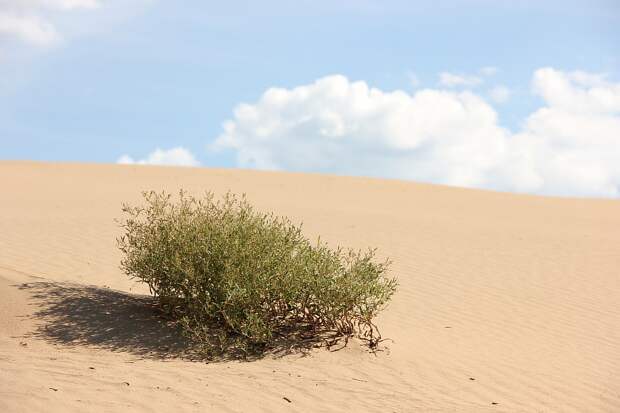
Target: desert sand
<point>506,303</point>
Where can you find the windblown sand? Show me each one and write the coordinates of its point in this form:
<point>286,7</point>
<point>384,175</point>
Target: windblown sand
<point>507,303</point>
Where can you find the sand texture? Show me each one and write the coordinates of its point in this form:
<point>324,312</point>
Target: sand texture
<point>506,303</point>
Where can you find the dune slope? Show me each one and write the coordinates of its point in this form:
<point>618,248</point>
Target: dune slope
<point>506,303</point>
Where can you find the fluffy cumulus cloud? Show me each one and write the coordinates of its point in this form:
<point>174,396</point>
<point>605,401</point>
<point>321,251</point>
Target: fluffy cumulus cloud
<point>178,156</point>
<point>570,146</point>
<point>32,20</point>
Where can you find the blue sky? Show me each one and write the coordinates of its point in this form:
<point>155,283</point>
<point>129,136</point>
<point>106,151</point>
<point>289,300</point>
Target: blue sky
<point>99,81</point>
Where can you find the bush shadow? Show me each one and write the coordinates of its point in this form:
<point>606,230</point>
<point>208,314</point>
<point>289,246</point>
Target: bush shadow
<point>78,315</point>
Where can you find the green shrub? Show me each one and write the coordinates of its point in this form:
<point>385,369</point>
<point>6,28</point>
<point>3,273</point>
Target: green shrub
<point>250,278</point>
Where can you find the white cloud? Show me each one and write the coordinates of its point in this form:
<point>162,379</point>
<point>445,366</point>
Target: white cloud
<point>500,94</point>
<point>178,156</point>
<point>452,80</point>
<point>571,146</point>
<point>577,91</point>
<point>31,21</point>
<point>334,125</point>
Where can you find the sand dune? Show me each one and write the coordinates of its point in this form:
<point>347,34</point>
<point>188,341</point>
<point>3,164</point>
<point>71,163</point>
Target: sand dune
<point>507,303</point>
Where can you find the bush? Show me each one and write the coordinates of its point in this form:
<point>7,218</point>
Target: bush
<point>251,278</point>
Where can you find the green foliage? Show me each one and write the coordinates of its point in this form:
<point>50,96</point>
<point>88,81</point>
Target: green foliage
<point>248,278</point>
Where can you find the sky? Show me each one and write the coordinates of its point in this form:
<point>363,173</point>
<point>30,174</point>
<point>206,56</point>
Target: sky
<point>519,96</point>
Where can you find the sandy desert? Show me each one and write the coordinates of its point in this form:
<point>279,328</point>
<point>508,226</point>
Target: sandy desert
<point>506,302</point>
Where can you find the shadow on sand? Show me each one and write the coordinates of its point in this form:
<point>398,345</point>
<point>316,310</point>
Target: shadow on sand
<point>78,315</point>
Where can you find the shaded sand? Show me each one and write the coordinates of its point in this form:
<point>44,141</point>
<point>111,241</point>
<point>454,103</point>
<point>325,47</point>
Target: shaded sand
<point>505,299</point>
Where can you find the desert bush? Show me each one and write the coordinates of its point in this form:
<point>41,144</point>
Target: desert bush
<point>251,277</point>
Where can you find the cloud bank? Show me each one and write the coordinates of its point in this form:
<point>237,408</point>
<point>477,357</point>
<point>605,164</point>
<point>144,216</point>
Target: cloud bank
<point>570,146</point>
<point>178,156</point>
